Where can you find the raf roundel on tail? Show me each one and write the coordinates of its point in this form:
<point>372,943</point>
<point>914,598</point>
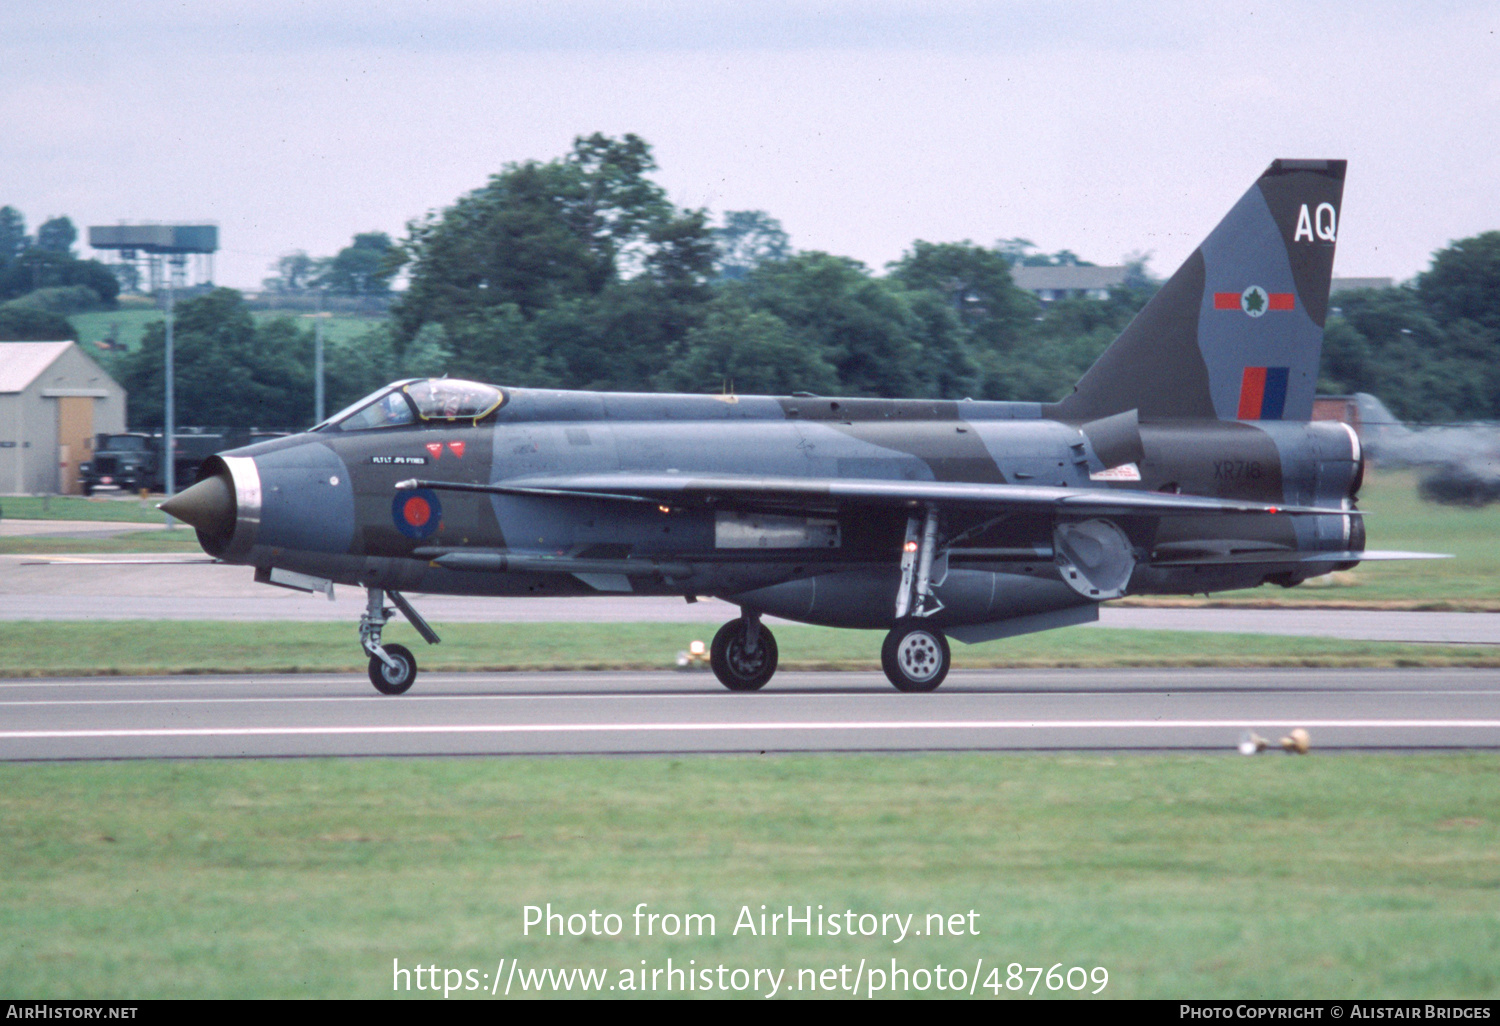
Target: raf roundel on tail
<point>1183,462</point>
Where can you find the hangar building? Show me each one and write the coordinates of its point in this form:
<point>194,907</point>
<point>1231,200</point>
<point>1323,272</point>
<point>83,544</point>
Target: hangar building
<point>53,400</point>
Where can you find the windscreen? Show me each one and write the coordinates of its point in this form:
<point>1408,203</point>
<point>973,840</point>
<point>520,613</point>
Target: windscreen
<point>387,408</point>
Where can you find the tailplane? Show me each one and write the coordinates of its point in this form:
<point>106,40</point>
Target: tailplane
<point>1236,333</point>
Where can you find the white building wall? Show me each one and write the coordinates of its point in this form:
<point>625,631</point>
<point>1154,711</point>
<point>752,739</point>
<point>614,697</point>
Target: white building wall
<point>12,455</point>
<point>39,417</point>
<point>29,420</point>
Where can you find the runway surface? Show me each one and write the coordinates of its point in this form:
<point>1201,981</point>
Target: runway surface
<point>143,587</point>
<point>577,713</point>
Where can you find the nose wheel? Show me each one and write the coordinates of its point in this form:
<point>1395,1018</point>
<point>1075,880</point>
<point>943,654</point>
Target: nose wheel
<point>915,657</point>
<point>393,669</point>
<point>395,677</point>
<point>743,655</point>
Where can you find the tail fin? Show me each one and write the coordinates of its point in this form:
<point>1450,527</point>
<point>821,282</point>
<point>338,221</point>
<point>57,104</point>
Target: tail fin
<point>1235,334</point>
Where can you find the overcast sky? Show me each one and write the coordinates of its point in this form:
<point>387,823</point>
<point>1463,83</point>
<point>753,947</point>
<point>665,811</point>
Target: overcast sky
<point>1101,127</point>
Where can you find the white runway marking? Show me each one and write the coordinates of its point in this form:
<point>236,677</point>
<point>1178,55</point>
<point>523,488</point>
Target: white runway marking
<point>893,696</point>
<point>794,725</point>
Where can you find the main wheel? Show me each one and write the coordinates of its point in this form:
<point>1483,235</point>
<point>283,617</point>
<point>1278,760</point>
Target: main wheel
<point>737,669</point>
<point>915,657</point>
<point>394,680</point>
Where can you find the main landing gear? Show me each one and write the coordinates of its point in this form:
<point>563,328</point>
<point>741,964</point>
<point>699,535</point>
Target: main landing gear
<point>743,655</point>
<point>393,669</point>
<point>915,655</point>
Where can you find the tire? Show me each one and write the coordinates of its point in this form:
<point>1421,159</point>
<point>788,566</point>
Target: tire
<point>737,670</point>
<point>394,681</point>
<point>915,657</point>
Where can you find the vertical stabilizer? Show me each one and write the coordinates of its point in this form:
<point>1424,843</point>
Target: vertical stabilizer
<point>1236,333</point>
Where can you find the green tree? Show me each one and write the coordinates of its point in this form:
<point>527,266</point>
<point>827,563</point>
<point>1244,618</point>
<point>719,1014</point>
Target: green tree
<point>353,367</point>
<point>294,273</point>
<point>44,269</point>
<point>1463,282</point>
<point>363,268</point>
<point>862,326</point>
<point>21,323</point>
<point>128,276</point>
<point>536,235</point>
<point>1388,343</point>
<point>13,240</point>
<point>977,284</point>
<point>746,351</point>
<point>747,239</point>
<point>229,371</point>
<point>62,299</point>
<point>56,235</point>
<point>575,273</point>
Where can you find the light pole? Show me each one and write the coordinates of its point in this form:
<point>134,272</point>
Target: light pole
<point>170,428</point>
<point>318,319</point>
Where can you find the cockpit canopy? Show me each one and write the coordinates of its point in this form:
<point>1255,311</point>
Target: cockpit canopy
<point>429,400</point>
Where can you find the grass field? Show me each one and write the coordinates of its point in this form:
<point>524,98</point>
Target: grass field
<point>73,507</point>
<point>1273,877</point>
<point>1182,876</point>
<point>158,540</point>
<point>126,324</point>
<point>129,323</point>
<point>338,328</point>
<point>46,648</point>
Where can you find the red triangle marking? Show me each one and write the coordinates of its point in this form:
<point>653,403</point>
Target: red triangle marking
<point>436,448</point>
<point>458,449</point>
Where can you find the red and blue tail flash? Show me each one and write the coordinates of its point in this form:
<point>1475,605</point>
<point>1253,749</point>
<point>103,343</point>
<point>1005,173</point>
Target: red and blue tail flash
<point>1263,393</point>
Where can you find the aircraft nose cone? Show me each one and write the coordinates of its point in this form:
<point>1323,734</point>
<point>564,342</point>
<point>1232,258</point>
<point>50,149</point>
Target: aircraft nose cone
<point>208,505</point>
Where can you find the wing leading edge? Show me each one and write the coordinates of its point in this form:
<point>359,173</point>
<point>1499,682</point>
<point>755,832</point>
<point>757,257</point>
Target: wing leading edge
<point>828,494</point>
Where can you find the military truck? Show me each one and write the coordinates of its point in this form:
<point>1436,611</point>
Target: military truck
<point>128,462</point>
<point>132,461</point>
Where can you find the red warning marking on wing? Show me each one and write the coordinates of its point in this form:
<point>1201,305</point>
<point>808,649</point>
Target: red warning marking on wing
<point>457,448</point>
<point>436,448</point>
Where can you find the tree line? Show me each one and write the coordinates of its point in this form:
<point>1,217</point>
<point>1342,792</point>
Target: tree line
<point>42,279</point>
<point>1429,349</point>
<point>580,273</point>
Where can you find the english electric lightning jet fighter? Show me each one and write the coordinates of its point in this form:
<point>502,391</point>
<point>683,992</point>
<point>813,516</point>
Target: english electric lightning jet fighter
<point>1183,462</point>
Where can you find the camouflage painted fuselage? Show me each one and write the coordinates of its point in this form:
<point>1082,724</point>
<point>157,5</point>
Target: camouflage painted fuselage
<point>1182,462</point>
<point>329,505</point>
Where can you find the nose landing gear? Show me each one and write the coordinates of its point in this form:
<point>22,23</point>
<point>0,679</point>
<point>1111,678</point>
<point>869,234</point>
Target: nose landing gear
<point>393,669</point>
<point>397,674</point>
